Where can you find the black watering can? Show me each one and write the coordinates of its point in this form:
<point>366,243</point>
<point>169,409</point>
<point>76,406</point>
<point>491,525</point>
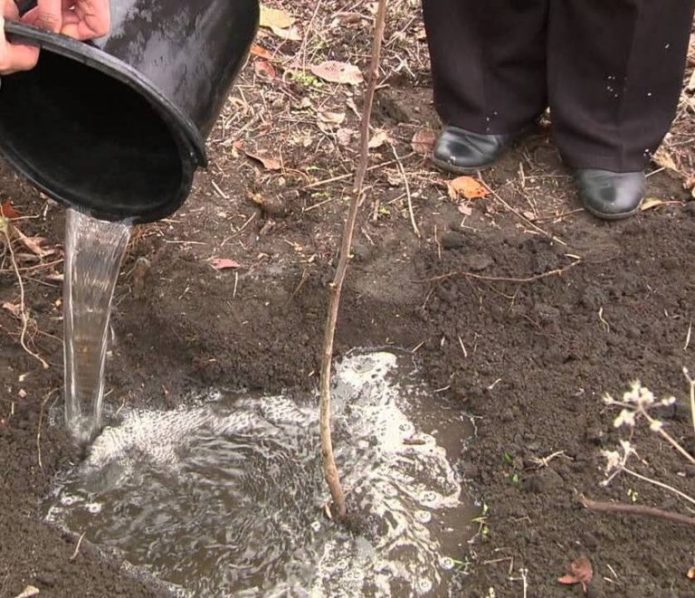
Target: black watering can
<point>116,127</point>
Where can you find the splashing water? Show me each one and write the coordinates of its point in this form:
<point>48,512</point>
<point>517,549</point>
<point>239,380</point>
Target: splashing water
<point>94,250</point>
<point>225,498</point>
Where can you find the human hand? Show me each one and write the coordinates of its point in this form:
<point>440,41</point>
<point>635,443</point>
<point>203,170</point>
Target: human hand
<point>79,19</point>
<point>14,57</point>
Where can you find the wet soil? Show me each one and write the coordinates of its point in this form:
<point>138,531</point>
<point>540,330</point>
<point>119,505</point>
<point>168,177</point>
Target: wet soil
<point>520,306</point>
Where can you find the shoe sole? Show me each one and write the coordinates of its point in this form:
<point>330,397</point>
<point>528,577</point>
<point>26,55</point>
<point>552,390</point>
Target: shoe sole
<point>452,168</point>
<point>613,217</point>
<point>518,138</point>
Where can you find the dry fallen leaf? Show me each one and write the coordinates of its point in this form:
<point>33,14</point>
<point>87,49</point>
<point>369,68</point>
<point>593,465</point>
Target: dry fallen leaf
<point>273,17</point>
<point>28,592</point>
<point>268,162</point>
<point>225,264</point>
<point>379,138</point>
<point>465,209</point>
<point>579,572</point>
<point>338,72</point>
<point>291,34</point>
<point>423,142</point>
<point>651,202</point>
<point>467,187</point>
<point>264,68</point>
<point>332,118</point>
<point>530,216</point>
<point>344,136</point>
<point>664,160</point>
<point>34,244</point>
<point>14,308</point>
<point>7,210</point>
<point>261,52</point>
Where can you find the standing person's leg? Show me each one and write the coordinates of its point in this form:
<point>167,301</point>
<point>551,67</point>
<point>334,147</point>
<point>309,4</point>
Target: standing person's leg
<point>615,73</point>
<point>489,74</point>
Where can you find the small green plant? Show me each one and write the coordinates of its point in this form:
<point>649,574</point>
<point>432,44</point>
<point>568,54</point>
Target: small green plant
<point>463,567</point>
<point>481,520</point>
<point>305,79</point>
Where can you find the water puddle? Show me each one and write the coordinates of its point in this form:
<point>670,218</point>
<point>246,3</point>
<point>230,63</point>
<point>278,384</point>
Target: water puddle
<point>94,250</point>
<point>225,498</point>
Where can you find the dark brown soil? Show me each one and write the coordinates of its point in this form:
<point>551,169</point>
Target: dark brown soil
<point>530,355</point>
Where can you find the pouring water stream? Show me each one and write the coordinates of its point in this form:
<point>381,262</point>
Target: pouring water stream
<point>94,250</point>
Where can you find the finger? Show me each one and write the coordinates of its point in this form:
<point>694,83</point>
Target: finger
<point>17,57</point>
<point>71,30</point>
<point>94,18</point>
<point>10,10</point>
<point>49,15</point>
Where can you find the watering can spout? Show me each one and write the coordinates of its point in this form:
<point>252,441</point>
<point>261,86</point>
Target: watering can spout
<point>116,127</point>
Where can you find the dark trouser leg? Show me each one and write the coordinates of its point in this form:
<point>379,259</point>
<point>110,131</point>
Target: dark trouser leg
<point>488,62</point>
<point>615,70</point>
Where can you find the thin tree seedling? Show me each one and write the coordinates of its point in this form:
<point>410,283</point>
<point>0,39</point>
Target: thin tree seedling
<point>330,469</point>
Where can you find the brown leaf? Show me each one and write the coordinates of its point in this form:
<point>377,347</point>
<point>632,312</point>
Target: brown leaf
<point>651,202</point>
<point>28,592</point>
<point>423,141</point>
<point>664,160</point>
<point>14,308</point>
<point>332,118</point>
<point>264,68</point>
<point>291,34</point>
<point>273,17</point>
<point>261,52</point>
<point>34,244</point>
<point>467,187</point>
<point>579,572</point>
<point>530,216</point>
<point>225,264</point>
<point>268,162</point>
<point>465,209</point>
<point>337,72</point>
<point>7,210</point>
<point>380,137</point>
<point>344,136</point>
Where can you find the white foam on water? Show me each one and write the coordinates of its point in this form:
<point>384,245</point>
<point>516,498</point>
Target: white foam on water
<point>225,498</point>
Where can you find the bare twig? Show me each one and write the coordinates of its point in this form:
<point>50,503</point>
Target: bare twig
<point>344,177</point>
<point>308,30</point>
<point>519,215</point>
<point>641,510</point>
<point>77,548</point>
<point>330,469</point>
<point>408,195</point>
<point>556,272</point>
<point>670,439</point>
<point>654,482</point>
<point>24,316</point>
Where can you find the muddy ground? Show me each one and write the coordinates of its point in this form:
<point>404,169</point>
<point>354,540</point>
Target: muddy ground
<point>519,305</point>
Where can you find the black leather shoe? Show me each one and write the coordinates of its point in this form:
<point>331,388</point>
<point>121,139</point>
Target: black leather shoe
<point>611,195</point>
<point>464,152</point>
